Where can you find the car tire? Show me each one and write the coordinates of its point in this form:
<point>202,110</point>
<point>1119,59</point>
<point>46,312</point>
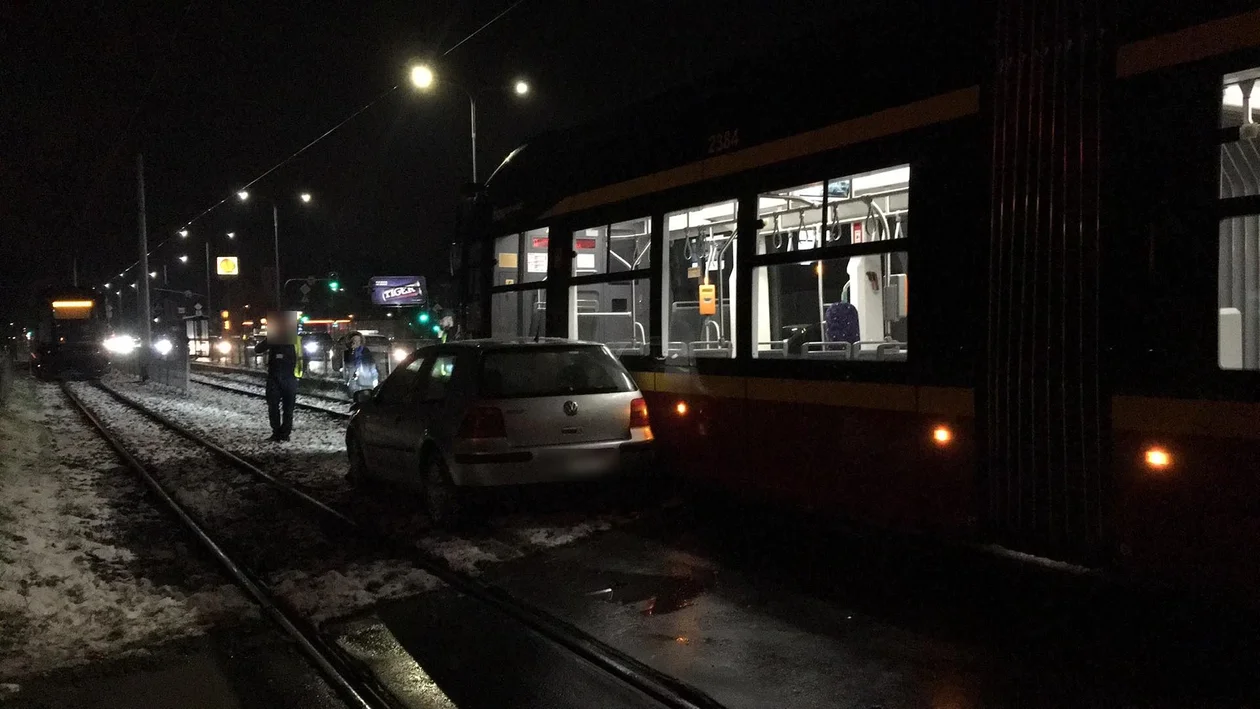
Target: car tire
<point>357,472</point>
<point>441,496</point>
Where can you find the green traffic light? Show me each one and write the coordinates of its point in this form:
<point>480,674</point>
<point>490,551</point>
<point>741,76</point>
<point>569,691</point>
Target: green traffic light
<point>334,286</point>
<point>423,317</point>
<point>305,318</point>
<point>437,328</point>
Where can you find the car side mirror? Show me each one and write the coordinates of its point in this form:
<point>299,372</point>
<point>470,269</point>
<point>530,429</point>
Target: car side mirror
<point>362,396</point>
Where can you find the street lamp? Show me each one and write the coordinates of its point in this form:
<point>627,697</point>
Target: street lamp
<point>183,233</point>
<point>242,195</point>
<point>183,258</point>
<point>305,198</point>
<point>231,235</point>
<point>422,78</point>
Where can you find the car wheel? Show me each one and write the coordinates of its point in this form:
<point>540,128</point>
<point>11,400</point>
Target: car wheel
<point>357,473</point>
<point>441,497</point>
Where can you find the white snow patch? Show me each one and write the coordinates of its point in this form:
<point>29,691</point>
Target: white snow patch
<point>66,596</point>
<point>339,592</point>
<point>461,554</point>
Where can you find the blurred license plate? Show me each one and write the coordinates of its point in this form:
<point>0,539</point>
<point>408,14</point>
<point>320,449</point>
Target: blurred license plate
<point>586,462</point>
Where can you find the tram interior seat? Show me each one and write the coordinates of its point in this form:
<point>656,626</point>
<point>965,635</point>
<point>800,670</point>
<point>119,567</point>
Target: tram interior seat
<point>628,348</point>
<point>842,322</point>
<point>775,349</point>
<point>711,348</point>
<point>797,335</point>
<point>828,350</point>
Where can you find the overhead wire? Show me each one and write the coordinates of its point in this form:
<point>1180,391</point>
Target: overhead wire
<point>322,136</point>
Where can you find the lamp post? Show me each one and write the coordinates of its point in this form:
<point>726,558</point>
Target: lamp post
<point>305,198</point>
<point>423,79</point>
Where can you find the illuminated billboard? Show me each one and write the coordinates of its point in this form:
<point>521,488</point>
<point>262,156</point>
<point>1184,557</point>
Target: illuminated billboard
<point>399,290</point>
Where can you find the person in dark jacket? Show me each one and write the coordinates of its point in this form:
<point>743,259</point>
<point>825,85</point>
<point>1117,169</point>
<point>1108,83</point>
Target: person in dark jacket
<point>284,366</point>
<point>358,365</point>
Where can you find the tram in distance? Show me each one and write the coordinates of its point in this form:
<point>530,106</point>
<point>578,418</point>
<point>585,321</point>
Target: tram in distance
<point>1078,187</point>
<point>69,338</point>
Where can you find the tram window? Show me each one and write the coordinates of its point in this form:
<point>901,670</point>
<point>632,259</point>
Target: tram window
<point>614,313</point>
<point>534,255</point>
<point>507,251</point>
<point>1240,161</point>
<point>612,248</point>
<point>518,314</point>
<point>871,206</point>
<point>700,253</point>
<point>1238,289</point>
<point>846,308</point>
<point>1238,293</point>
<point>628,245</point>
<point>791,219</point>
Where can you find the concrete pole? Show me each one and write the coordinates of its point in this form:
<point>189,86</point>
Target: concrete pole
<point>145,305</point>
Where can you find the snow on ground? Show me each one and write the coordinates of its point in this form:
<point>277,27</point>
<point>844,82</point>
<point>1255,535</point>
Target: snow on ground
<point>89,567</point>
<point>315,457</point>
<point>309,561</point>
<point>315,460</point>
<point>338,593</point>
<point>256,386</point>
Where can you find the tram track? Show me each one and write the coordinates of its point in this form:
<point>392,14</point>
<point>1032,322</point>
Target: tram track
<point>221,385</point>
<point>354,687</point>
<point>661,687</point>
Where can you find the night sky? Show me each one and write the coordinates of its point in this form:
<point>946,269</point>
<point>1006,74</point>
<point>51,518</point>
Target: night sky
<point>215,93</point>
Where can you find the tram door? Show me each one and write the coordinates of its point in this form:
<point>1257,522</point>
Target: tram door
<point>1042,404</point>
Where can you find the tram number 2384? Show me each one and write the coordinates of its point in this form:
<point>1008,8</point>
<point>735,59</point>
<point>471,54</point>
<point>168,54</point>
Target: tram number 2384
<point>721,142</point>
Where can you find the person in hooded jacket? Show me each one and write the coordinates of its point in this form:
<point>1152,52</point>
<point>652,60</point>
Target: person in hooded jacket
<point>284,366</point>
<point>358,365</point>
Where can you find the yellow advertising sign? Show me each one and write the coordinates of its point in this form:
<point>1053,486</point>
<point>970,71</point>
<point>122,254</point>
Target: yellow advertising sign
<point>227,265</point>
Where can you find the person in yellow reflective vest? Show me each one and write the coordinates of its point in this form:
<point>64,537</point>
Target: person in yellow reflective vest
<point>284,366</point>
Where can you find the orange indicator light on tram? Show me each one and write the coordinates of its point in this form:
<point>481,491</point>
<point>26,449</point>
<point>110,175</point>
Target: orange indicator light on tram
<point>681,408</point>
<point>1158,459</point>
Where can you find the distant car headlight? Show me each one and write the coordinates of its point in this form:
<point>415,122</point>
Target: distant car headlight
<point>163,347</point>
<point>400,354</point>
<point>120,344</point>
<point>311,347</point>
<point>224,347</point>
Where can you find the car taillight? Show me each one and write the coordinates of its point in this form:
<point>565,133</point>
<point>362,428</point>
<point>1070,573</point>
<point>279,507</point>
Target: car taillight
<point>483,422</point>
<point>638,414</point>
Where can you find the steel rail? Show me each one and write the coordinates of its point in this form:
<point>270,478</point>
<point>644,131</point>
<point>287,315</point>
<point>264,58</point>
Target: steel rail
<point>339,670</point>
<point>664,688</point>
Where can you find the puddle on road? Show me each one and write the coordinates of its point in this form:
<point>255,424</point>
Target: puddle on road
<point>659,594</point>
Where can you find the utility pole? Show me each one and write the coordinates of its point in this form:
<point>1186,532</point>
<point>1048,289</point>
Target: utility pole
<point>275,240</point>
<point>208,309</point>
<point>145,306</point>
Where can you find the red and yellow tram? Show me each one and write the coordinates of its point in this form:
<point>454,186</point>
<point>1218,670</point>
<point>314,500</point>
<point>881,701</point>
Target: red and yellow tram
<point>1076,388</point>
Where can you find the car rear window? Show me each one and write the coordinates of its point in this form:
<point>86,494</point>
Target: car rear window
<point>539,371</point>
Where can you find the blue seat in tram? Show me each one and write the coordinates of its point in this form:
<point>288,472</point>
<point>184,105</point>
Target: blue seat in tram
<point>842,323</point>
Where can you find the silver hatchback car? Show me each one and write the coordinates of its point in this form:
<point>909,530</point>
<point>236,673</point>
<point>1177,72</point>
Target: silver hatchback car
<point>479,413</point>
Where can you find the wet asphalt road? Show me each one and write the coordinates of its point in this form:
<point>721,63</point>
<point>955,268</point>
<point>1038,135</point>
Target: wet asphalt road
<point>483,660</point>
<point>790,616</point>
<point>243,668</point>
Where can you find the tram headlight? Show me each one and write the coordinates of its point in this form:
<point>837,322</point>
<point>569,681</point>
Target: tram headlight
<point>120,345</point>
<point>224,347</point>
<point>163,346</point>
<point>399,354</point>
<point>311,347</point>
